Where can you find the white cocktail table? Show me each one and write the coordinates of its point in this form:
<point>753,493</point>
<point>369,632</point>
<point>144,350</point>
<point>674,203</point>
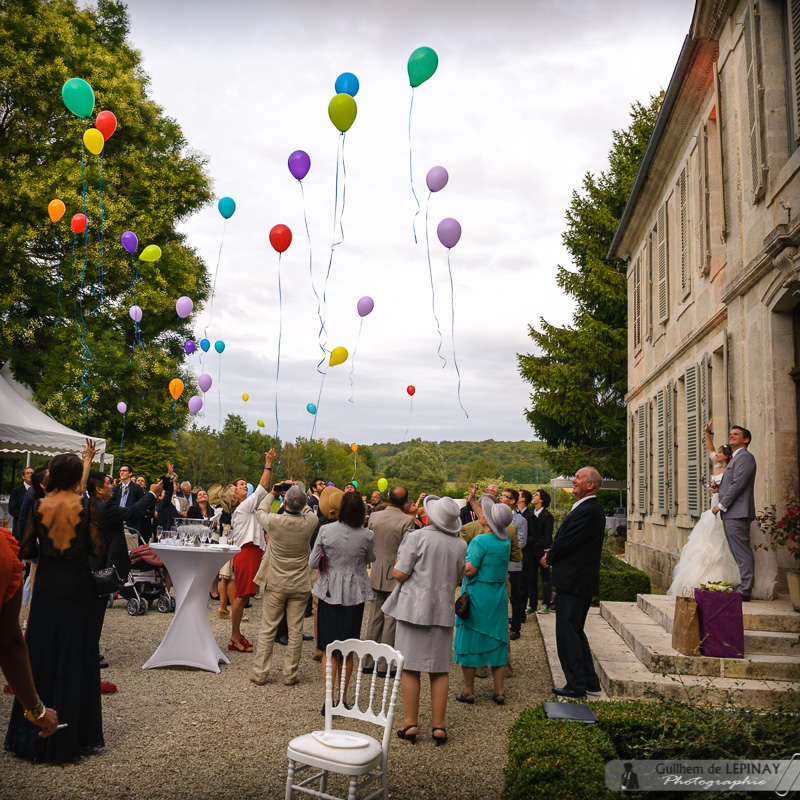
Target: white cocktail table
<point>189,641</point>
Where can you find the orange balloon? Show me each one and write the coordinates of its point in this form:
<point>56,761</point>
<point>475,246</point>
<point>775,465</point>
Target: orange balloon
<point>176,388</point>
<point>354,447</point>
<point>56,210</point>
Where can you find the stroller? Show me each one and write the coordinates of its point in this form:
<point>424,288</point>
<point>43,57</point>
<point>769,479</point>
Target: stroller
<point>146,583</point>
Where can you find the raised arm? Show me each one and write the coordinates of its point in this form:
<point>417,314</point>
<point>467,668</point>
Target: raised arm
<point>709,438</point>
<point>89,452</point>
<point>269,460</point>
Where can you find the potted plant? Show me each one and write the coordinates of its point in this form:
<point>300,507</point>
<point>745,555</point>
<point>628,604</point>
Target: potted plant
<point>784,533</point>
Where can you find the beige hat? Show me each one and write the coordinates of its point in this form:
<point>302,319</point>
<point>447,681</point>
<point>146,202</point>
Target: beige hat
<point>329,502</point>
<point>442,513</point>
<point>499,518</point>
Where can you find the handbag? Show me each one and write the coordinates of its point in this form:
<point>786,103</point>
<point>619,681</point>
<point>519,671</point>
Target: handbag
<point>721,623</point>
<point>107,581</point>
<point>686,626</point>
<point>462,605</point>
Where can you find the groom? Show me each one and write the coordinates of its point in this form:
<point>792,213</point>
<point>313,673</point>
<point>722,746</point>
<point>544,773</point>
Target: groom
<point>737,506</point>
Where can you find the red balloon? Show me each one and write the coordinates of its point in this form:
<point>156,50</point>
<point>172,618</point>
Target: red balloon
<point>106,123</point>
<point>411,390</point>
<point>280,237</point>
<point>78,223</point>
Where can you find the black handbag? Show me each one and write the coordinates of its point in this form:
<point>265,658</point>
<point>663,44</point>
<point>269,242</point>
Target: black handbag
<point>107,581</point>
<point>462,605</point>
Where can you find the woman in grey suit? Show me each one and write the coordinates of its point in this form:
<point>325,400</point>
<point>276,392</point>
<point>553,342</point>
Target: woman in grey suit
<point>430,564</point>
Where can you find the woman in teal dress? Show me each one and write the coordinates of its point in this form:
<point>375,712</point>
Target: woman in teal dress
<point>482,639</point>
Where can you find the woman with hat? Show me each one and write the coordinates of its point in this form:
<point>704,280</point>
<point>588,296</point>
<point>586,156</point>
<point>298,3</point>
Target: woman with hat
<point>482,639</point>
<point>430,563</point>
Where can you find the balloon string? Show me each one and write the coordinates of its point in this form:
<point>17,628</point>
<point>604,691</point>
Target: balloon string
<point>311,273</point>
<point>174,417</point>
<point>122,439</point>
<point>200,464</point>
<point>453,332</point>
<point>216,272</point>
<point>87,351</point>
<point>245,430</point>
<point>355,466</point>
<point>433,291</point>
<point>280,336</point>
<point>411,167</point>
<point>58,274</point>
<point>353,358</point>
<point>410,409</point>
<point>72,280</point>
<point>319,398</point>
<point>101,272</point>
<point>137,330</point>
<point>219,393</point>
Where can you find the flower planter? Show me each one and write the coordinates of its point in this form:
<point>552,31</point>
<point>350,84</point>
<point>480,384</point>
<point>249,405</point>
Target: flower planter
<point>793,580</point>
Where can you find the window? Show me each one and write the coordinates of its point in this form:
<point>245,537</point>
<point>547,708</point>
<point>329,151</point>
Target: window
<point>704,202</point>
<point>669,445</point>
<point>704,416</point>
<point>692,381</point>
<point>683,205</point>
<point>750,31</point>
<point>641,458</point>
<point>663,286</point>
<point>637,304</point>
<point>661,452</point>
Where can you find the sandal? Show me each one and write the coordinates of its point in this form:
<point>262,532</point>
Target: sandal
<point>440,740</point>
<point>499,698</point>
<point>409,737</point>
<point>240,645</point>
<point>223,612</point>
<point>466,697</point>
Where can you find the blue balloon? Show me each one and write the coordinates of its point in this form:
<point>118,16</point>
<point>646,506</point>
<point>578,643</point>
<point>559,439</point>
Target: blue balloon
<point>249,489</point>
<point>219,346</point>
<point>205,345</point>
<point>226,207</point>
<point>311,408</point>
<point>347,83</point>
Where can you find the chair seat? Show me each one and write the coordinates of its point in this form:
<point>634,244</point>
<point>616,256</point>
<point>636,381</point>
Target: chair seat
<point>310,750</point>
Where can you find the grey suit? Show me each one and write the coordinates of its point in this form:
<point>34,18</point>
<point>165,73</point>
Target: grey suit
<point>736,497</point>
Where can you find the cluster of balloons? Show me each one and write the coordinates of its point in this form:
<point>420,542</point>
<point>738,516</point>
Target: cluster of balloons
<point>78,97</point>
<point>343,109</point>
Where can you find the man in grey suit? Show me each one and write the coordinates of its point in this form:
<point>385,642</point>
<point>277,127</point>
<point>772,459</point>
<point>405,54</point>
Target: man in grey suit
<point>737,506</point>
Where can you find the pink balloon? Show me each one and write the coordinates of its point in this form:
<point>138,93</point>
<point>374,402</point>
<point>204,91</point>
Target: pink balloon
<point>195,403</point>
<point>449,232</point>
<point>135,313</point>
<point>204,382</point>
<point>184,306</point>
<point>436,178</point>
<point>121,407</point>
<point>365,306</point>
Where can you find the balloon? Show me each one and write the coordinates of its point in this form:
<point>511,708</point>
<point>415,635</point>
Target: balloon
<point>329,483</point>
<point>56,209</point>
<point>121,407</point>
<point>354,448</point>
<point>151,253</point>
<point>260,423</point>
<point>226,207</point>
<point>106,123</point>
<point>78,223</point>
<point>299,164</point>
<point>436,178</point>
<point>204,382</point>
<point>205,345</point>
<point>176,388</point>
<point>280,237</point>
<point>411,390</point>
<point>383,484</point>
<point>311,408</point>
<point>355,483</point>
<point>78,97</point>
<point>189,346</point>
<point>219,346</point>
<point>249,489</point>
<point>365,306</point>
<point>342,110</point>
<point>94,141</point>
<point>347,83</point>
<point>338,356</point>
<point>245,397</point>
<point>135,313</point>
<point>195,403</point>
<point>184,306</point>
<point>422,64</point>
<point>449,232</point>
<point>129,241</point>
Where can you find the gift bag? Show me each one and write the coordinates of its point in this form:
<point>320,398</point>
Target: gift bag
<point>721,623</point>
<point>686,627</point>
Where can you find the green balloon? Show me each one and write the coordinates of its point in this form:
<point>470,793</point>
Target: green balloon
<point>422,64</point>
<point>78,97</point>
<point>342,110</point>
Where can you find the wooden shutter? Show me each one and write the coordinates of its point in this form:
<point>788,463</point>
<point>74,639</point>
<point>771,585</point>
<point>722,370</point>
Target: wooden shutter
<point>641,458</point>
<point>663,287</point>
<point>692,380</point>
<point>753,102</point>
<point>705,414</point>
<point>704,204</point>
<point>683,203</point>
<point>637,304</point>
<point>661,452</point>
<point>794,66</point>
<point>669,445</point>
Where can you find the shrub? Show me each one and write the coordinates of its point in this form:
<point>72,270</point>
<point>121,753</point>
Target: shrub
<point>620,581</point>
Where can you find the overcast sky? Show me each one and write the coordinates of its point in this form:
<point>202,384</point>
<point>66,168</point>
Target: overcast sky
<point>522,105</point>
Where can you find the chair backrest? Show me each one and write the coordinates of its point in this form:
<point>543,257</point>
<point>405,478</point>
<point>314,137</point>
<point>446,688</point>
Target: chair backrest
<point>376,705</point>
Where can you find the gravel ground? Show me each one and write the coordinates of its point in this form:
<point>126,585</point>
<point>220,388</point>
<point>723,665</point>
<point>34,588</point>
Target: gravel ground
<point>182,733</point>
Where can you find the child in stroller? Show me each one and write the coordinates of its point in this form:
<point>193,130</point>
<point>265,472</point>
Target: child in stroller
<point>148,581</point>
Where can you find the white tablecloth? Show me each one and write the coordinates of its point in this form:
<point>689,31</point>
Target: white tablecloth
<point>189,641</point>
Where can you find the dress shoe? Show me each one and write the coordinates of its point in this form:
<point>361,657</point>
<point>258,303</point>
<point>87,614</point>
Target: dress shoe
<point>594,689</point>
<point>514,635</point>
<point>103,664</point>
<point>257,681</point>
<point>746,597</point>
<point>575,695</point>
<point>284,640</point>
<point>307,637</point>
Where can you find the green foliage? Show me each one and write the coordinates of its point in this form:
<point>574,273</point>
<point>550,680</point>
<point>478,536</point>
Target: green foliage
<point>620,582</point>
<point>420,467</point>
<point>579,371</point>
<point>53,325</point>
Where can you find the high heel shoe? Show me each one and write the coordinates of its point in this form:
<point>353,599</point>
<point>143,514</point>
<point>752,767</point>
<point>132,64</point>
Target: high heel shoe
<point>410,737</point>
<point>440,740</point>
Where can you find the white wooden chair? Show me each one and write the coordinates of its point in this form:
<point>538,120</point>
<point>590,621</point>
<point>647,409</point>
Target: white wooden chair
<point>350,752</point>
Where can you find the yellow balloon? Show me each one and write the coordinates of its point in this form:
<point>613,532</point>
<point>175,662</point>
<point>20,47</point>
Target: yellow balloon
<point>354,448</point>
<point>151,253</point>
<point>342,110</point>
<point>260,423</point>
<point>94,141</point>
<point>245,397</point>
<point>383,484</point>
<point>338,356</point>
<point>176,388</point>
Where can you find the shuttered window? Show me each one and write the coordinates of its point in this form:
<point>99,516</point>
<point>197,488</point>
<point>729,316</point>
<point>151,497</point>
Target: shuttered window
<point>661,452</point>
<point>705,415</point>
<point>683,204</point>
<point>794,67</point>
<point>637,304</point>
<point>692,381</point>
<point>663,287</point>
<point>753,101</point>
<point>704,202</point>
<point>669,445</point>
<point>641,459</point>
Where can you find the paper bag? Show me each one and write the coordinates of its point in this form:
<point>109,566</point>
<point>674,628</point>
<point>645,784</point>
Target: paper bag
<point>686,627</point>
<point>721,623</point>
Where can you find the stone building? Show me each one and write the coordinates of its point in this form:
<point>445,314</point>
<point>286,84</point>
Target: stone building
<point>711,234</point>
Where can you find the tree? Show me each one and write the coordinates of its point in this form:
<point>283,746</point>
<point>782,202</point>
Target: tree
<point>580,372</point>
<point>420,467</point>
<point>64,298</point>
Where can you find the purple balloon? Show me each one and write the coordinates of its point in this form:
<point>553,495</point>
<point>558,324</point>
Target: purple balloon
<point>189,346</point>
<point>129,241</point>
<point>121,407</point>
<point>204,382</point>
<point>184,306</point>
<point>436,178</point>
<point>365,306</point>
<point>299,164</point>
<point>449,232</point>
<point>135,313</point>
<point>195,403</point>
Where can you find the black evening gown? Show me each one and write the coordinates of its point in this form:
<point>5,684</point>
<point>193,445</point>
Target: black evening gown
<point>62,639</point>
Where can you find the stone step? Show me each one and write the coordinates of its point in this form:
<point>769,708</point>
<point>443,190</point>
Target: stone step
<point>652,646</point>
<point>776,615</point>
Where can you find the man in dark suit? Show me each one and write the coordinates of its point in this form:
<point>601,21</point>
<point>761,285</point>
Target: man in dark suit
<point>187,494</point>
<point>128,492</point>
<point>575,559</point>
<point>538,543</point>
<point>15,501</point>
<point>737,506</point>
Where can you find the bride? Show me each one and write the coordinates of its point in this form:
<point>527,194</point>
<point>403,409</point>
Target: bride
<point>706,557</point>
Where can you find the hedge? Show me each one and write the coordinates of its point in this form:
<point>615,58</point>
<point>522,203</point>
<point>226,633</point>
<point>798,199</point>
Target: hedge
<point>620,581</point>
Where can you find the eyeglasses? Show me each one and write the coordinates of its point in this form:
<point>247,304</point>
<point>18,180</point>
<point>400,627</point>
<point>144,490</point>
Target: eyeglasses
<point>507,497</point>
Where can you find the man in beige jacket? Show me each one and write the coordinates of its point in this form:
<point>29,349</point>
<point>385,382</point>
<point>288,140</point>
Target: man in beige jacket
<point>389,527</point>
<point>286,578</point>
